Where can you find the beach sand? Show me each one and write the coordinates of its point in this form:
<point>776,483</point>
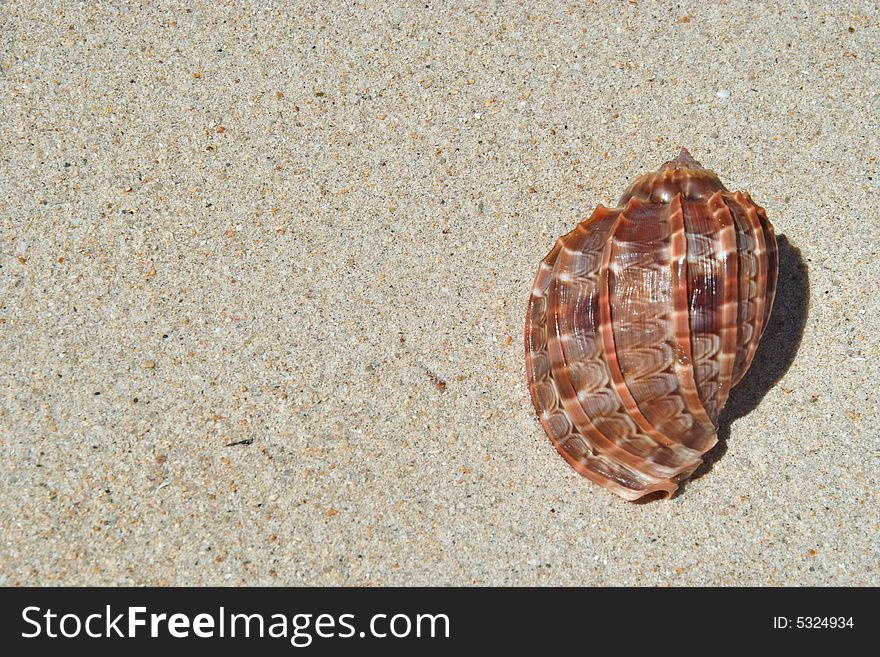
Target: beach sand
<point>264,274</point>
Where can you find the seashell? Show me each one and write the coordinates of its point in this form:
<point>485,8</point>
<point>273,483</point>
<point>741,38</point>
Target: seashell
<point>640,322</point>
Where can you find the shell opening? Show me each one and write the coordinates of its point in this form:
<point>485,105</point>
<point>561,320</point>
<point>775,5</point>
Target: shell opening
<point>653,497</point>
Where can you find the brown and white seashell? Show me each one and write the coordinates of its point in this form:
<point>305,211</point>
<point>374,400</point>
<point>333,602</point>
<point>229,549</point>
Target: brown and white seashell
<point>642,319</point>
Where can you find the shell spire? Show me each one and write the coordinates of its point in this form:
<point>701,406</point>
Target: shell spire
<point>684,160</point>
<point>641,320</point>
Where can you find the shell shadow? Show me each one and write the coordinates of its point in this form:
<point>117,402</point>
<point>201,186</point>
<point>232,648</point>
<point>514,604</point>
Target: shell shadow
<point>776,351</point>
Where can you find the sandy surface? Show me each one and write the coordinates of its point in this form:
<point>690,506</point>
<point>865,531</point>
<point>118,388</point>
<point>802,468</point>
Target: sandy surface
<point>241,250</point>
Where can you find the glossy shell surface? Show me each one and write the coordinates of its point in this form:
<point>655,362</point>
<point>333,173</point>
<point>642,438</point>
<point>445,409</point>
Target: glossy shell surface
<point>642,319</point>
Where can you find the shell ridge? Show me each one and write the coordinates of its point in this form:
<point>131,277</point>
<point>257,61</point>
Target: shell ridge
<point>760,299</point>
<point>772,262</point>
<point>607,336</point>
<point>729,276</point>
<point>606,331</point>
<point>743,211</point>
<point>642,289</point>
<point>622,446</point>
<point>683,455</point>
<point>559,364</point>
<point>683,365</point>
<point>704,300</point>
<point>573,447</point>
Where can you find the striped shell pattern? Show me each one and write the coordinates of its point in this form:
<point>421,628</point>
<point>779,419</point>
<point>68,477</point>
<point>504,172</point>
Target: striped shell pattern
<point>642,319</point>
